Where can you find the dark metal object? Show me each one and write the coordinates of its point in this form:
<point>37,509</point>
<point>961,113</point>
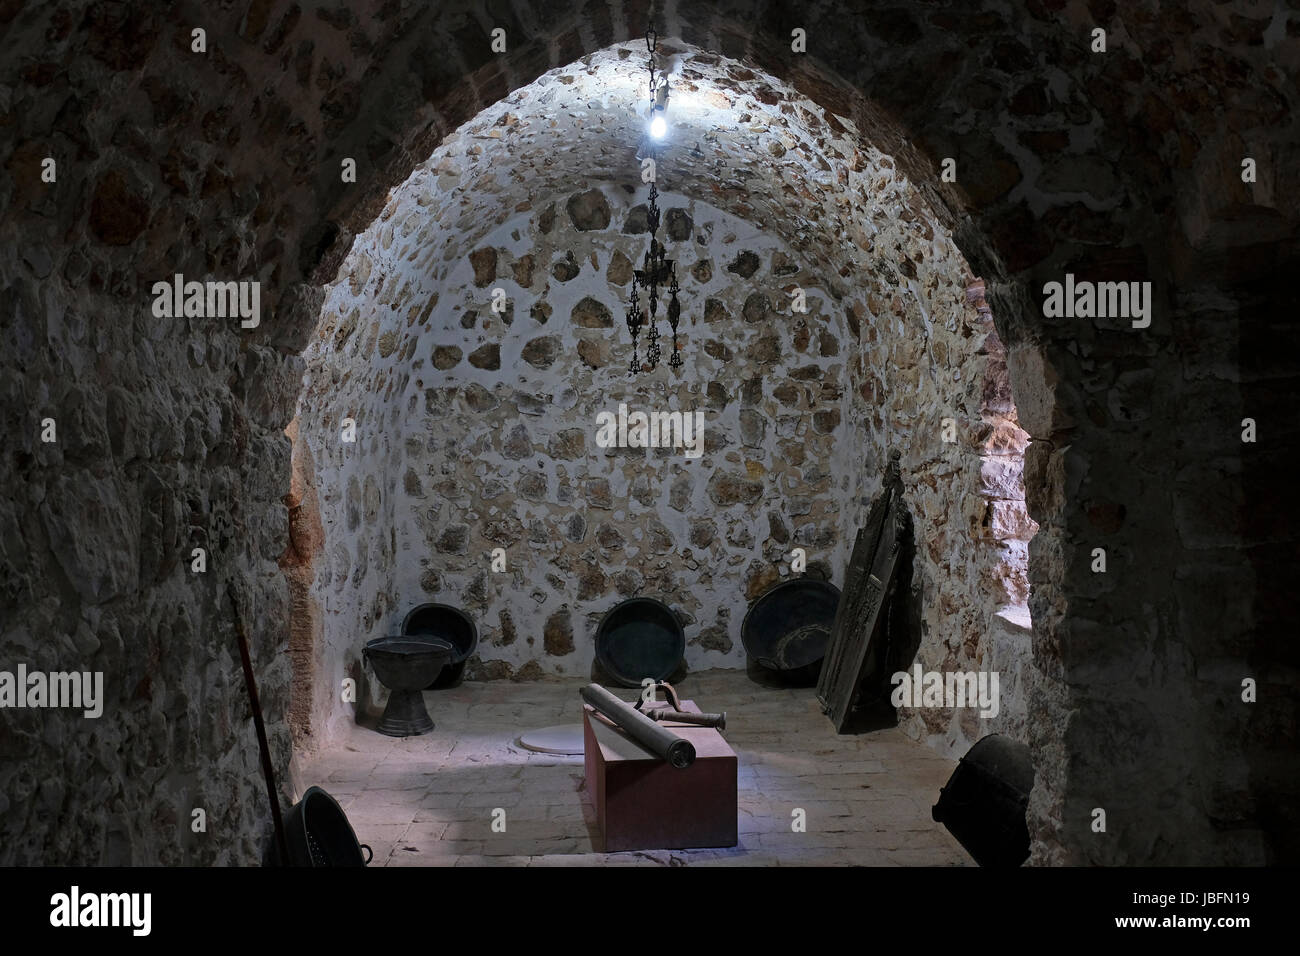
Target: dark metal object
<point>676,713</point>
<point>639,638</point>
<point>718,721</point>
<point>452,625</point>
<point>983,806</point>
<point>268,772</point>
<point>406,665</point>
<point>315,829</point>
<point>657,269</point>
<point>320,835</point>
<point>868,584</point>
<point>788,628</point>
<point>660,741</point>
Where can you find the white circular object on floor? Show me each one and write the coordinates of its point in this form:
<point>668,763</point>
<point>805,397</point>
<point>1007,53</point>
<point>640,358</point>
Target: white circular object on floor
<point>562,739</point>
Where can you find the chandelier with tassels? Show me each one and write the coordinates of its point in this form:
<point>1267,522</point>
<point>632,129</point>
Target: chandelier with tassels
<point>658,273</point>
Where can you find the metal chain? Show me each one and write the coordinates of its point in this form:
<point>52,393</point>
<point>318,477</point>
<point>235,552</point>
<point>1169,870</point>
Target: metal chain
<point>656,269</point>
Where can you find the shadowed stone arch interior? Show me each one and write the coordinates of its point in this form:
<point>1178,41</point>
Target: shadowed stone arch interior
<point>1117,166</point>
<point>764,197</point>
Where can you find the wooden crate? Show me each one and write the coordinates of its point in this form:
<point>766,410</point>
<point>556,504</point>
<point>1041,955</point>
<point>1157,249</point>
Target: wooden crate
<point>644,803</point>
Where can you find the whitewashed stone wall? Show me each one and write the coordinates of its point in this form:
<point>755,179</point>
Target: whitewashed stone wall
<point>496,445</point>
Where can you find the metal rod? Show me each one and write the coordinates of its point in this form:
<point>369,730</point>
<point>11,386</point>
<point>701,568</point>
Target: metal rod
<point>685,717</point>
<point>267,770</point>
<point>660,741</point>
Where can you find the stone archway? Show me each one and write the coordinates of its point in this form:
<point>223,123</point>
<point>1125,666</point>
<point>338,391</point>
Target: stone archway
<point>1125,165</point>
<point>834,96</point>
<point>897,350</point>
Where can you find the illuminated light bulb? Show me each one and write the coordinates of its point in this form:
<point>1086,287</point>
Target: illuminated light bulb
<point>658,126</point>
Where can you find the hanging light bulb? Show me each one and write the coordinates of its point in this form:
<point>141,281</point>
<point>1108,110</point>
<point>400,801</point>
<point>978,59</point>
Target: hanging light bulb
<point>658,115</point>
<point>658,125</point>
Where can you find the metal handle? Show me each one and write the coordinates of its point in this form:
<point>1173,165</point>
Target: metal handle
<point>685,717</point>
<point>670,694</point>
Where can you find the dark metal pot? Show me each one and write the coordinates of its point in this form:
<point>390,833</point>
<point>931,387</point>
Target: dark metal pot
<point>318,833</point>
<point>639,638</point>
<point>787,629</point>
<point>407,666</point>
<point>452,625</point>
<point>983,806</point>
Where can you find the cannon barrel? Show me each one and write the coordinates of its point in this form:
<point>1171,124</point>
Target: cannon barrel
<point>660,741</point>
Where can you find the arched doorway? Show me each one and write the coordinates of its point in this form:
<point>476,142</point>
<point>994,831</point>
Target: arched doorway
<point>831,318</point>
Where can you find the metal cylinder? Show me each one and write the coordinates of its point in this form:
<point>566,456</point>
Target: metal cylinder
<point>718,721</point>
<point>660,741</point>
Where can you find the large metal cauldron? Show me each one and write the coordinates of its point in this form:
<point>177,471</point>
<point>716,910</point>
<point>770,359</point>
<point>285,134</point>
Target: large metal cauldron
<point>984,803</point>
<point>452,625</point>
<point>639,638</point>
<point>787,629</point>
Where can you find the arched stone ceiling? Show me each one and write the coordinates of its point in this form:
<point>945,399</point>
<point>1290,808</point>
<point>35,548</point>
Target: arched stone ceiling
<point>739,140</point>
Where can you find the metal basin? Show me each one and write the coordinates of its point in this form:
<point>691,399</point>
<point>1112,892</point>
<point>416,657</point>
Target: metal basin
<point>639,638</point>
<point>318,833</point>
<point>450,624</point>
<point>787,629</point>
<point>406,665</point>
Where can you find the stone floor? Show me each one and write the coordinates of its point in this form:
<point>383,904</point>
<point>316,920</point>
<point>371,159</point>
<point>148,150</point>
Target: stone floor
<point>429,800</point>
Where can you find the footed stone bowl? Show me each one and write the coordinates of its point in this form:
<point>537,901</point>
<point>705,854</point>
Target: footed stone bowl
<point>406,665</point>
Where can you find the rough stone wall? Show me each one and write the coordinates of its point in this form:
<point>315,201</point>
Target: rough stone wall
<point>350,423</point>
<point>1126,163</point>
<point>169,438</point>
<point>498,446</point>
<point>928,379</point>
<point>307,700</point>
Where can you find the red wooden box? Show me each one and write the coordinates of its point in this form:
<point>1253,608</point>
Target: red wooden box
<point>644,803</point>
